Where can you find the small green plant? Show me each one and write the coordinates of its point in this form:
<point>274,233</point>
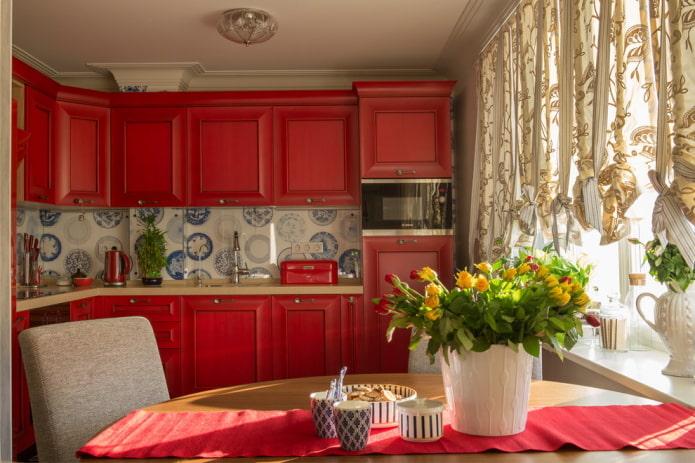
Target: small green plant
<point>666,263</point>
<point>151,248</point>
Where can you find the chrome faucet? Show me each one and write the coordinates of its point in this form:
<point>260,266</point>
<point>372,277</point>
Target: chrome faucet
<point>236,261</point>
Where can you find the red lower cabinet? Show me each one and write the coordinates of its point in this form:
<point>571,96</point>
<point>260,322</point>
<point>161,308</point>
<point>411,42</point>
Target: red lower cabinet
<point>22,428</point>
<point>311,335</point>
<point>227,341</point>
<point>164,313</point>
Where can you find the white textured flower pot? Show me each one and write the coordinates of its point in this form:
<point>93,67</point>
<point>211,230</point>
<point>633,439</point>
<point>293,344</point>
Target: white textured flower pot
<point>674,322</point>
<point>487,392</point>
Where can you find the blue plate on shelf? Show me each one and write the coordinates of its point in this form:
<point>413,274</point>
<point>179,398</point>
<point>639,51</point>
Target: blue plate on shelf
<point>175,265</point>
<point>198,246</point>
<point>323,216</point>
<point>330,245</point>
<point>50,247</point>
<point>291,227</point>
<point>257,216</point>
<point>108,218</point>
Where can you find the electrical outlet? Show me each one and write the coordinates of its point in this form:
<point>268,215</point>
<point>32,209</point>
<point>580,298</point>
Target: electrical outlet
<point>309,247</point>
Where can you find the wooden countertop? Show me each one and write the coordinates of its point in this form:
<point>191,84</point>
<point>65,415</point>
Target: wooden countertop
<point>247,287</point>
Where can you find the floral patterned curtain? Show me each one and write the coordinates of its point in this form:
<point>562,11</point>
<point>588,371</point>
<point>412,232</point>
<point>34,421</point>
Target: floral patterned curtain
<point>592,108</point>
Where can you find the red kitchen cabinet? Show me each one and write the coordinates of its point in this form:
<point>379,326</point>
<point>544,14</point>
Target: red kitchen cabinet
<point>405,129</point>
<point>311,335</point>
<point>352,308</point>
<point>148,149</point>
<point>82,155</point>
<point>85,309</point>
<point>398,255</point>
<point>227,340</point>
<point>22,428</point>
<point>164,313</point>
<point>38,164</point>
<point>230,156</point>
<point>316,155</point>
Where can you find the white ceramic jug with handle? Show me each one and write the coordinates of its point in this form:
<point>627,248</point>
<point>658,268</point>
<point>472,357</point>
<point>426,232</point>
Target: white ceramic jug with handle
<point>674,322</point>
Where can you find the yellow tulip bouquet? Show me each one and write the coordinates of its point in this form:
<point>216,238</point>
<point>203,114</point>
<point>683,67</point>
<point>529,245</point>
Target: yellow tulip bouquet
<point>536,297</point>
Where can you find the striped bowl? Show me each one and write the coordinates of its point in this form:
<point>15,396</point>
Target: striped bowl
<point>385,414</point>
<point>420,420</point>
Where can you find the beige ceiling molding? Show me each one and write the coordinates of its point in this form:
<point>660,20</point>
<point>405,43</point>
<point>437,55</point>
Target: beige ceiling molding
<point>151,77</point>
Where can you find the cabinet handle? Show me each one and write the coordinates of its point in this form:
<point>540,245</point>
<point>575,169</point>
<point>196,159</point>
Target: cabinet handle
<point>220,301</point>
<point>225,201</point>
<point>319,200</point>
<point>84,304</point>
<point>299,300</point>
<point>83,201</point>
<point>42,197</point>
<point>404,172</point>
<point>135,301</point>
<point>401,241</point>
<point>142,201</point>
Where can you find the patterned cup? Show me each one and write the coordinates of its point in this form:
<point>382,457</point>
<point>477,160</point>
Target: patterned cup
<point>353,421</point>
<point>322,414</point>
<point>420,420</point>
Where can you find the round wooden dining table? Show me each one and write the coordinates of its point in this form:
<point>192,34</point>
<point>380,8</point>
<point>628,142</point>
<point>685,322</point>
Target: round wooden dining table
<point>294,393</point>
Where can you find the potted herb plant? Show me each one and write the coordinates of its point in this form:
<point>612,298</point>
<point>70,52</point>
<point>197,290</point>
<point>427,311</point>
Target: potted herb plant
<point>150,249</point>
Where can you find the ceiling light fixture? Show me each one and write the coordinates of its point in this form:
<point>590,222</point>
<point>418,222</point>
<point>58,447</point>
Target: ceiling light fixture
<point>247,25</point>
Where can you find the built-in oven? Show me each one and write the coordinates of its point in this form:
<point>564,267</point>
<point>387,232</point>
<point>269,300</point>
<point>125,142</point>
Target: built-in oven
<point>407,206</point>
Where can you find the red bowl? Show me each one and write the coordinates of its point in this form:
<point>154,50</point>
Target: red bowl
<point>83,281</point>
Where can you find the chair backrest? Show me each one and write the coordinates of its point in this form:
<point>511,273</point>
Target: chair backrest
<point>84,375</point>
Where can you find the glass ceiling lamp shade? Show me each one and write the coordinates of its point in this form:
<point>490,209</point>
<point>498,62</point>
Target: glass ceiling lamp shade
<point>247,25</point>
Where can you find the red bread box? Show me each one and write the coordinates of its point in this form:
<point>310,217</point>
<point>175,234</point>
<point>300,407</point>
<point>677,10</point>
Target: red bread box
<point>300,272</point>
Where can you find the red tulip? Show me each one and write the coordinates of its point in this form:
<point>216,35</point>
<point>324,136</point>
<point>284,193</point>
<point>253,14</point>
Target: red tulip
<point>592,320</point>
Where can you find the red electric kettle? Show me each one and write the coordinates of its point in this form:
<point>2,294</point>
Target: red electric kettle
<point>116,266</point>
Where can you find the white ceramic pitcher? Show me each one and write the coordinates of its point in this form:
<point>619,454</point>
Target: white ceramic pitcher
<point>674,322</point>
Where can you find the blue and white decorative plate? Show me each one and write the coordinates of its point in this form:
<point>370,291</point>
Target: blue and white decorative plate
<point>50,247</point>
<point>291,227</point>
<point>198,246</point>
<point>257,216</point>
<point>108,218</point>
<point>21,214</point>
<point>323,216</point>
<point>223,261</point>
<point>257,249</point>
<point>51,275</point>
<point>175,265</point>
<point>77,231</point>
<point>49,218</point>
<point>106,240</point>
<point>349,261</point>
<point>77,259</point>
<point>330,245</point>
<point>193,274</point>
<point>175,229</point>
<point>143,212</point>
<point>350,228</point>
<point>197,215</point>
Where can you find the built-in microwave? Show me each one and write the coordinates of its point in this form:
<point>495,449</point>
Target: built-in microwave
<point>400,206</point>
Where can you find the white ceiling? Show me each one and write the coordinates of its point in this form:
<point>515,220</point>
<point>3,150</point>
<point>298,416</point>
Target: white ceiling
<point>334,41</point>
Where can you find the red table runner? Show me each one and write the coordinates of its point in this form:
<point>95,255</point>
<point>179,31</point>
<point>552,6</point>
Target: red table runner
<point>253,433</point>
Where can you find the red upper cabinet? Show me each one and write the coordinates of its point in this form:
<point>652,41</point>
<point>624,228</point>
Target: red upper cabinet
<point>230,156</point>
<point>38,164</point>
<point>148,149</point>
<point>316,157</point>
<point>405,129</point>
<point>82,155</point>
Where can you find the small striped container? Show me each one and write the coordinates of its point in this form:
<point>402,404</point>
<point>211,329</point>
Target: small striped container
<point>420,420</point>
<point>384,414</point>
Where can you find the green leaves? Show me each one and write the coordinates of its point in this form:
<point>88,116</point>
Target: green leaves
<point>666,263</point>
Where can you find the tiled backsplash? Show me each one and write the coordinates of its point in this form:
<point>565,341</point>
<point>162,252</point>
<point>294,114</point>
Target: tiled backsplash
<point>198,239</point>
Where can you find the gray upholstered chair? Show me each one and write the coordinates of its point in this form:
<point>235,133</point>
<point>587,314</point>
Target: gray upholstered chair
<point>85,375</point>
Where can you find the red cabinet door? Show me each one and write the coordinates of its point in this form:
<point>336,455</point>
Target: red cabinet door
<point>82,155</point>
<point>353,331</point>
<point>398,255</point>
<point>226,341</point>
<point>38,163</point>
<point>84,309</point>
<point>308,332</point>
<point>230,156</point>
<point>148,148</point>
<point>405,129</point>
<point>316,157</point>
<point>22,429</point>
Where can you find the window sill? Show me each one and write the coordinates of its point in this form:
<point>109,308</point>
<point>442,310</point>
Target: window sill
<point>633,372</point>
